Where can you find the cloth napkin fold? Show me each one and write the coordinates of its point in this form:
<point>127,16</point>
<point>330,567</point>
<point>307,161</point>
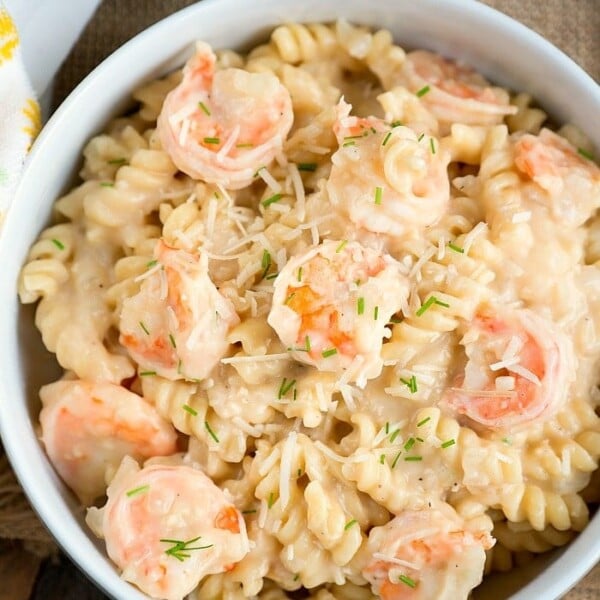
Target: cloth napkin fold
<point>20,115</point>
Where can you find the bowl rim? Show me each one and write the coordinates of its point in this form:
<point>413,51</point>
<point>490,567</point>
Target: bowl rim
<point>10,433</point>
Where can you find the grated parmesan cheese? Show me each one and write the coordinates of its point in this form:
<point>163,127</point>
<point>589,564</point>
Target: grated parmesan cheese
<point>395,561</point>
<point>525,373</point>
<point>148,273</point>
<point>521,217</point>
<point>228,145</point>
<point>271,182</point>
<point>258,358</point>
<point>477,231</point>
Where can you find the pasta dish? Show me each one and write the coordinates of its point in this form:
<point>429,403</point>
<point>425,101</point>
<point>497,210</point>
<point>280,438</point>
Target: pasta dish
<point>328,315</point>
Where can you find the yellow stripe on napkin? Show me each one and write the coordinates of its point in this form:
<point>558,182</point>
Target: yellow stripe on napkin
<point>9,38</point>
<point>32,112</point>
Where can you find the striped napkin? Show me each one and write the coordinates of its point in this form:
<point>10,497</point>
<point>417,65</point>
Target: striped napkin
<point>20,117</point>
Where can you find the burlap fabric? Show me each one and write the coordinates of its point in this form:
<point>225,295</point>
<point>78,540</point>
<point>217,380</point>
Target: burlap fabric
<point>572,25</point>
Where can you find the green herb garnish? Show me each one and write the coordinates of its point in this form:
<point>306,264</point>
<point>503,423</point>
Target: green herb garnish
<point>410,383</point>
<point>448,443</point>
<point>118,161</point>
<point>378,195</point>
<point>147,373</point>
<point>328,353</point>
<point>413,458</point>
<point>58,244</point>
<point>310,167</point>
<point>386,139</point>
<point>145,329</point>
<point>212,434</point>
<point>204,108</point>
<point>425,420</point>
<point>585,153</point>
<point>349,524</point>
<point>285,387</point>
<point>429,303</point>
<point>271,200</point>
<point>360,305</point>
<point>180,548</point>
<point>138,490</point>
<point>408,581</point>
<point>456,248</point>
<point>190,410</point>
<point>341,246</point>
<point>212,140</point>
<point>423,91</point>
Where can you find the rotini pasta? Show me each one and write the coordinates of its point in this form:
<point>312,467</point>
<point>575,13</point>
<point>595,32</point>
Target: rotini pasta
<point>352,293</point>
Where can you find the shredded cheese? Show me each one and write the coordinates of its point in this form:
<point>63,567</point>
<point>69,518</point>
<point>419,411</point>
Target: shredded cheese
<point>285,468</point>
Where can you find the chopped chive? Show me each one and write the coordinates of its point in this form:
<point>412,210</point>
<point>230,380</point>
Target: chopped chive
<point>378,195</point>
<point>107,184</point>
<point>448,443</point>
<point>307,341</point>
<point>179,365</point>
<point>345,144</point>
<point>271,500</point>
<point>423,91</point>
<point>420,137</point>
<point>190,410</point>
<point>251,511</point>
<point>212,140</point>
<point>585,153</point>
<point>271,276</point>
<point>328,353</point>
<point>432,145</point>
<point>382,459</point>
<point>360,305</point>
<point>307,167</point>
<point>151,264</point>
<point>341,246</point>
<point>58,244</point>
<point>425,420</point>
<point>296,576</point>
<point>288,299</point>
<point>419,439</point>
<point>271,200</point>
<point>138,490</point>
<point>349,524</point>
<point>410,383</point>
<point>507,441</point>
<point>413,458</point>
<point>376,313</point>
<point>212,434</point>
<point>395,461</point>
<point>147,373</point>
<point>285,387</point>
<point>265,263</point>
<point>144,328</point>
<point>408,581</point>
<point>299,472</point>
<point>409,443</point>
<point>387,427</point>
<point>456,248</point>
<point>259,170</point>
<point>118,161</point>
<point>172,340</point>
<point>386,139</point>
<point>395,124</point>
<point>295,393</point>
<point>180,548</point>
<point>395,320</point>
<point>353,137</point>
<point>246,145</point>
<point>429,303</point>
<point>394,435</point>
<point>373,130</point>
<point>204,108</point>
<point>300,274</point>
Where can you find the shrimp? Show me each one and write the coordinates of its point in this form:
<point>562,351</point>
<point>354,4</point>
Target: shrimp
<point>331,306</point>
<point>222,126</point>
<point>420,555</point>
<point>168,526</point>
<point>567,175</point>
<point>87,428</point>
<point>176,325</point>
<point>452,91</point>
<point>519,368</point>
<point>386,179</point>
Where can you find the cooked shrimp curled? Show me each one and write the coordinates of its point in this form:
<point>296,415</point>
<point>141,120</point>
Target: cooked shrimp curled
<point>222,126</point>
<point>87,428</point>
<point>386,178</point>
<point>518,370</point>
<point>168,526</point>
<point>331,306</point>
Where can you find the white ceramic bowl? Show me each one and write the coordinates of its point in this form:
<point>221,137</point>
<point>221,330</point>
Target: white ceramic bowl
<point>504,50</point>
